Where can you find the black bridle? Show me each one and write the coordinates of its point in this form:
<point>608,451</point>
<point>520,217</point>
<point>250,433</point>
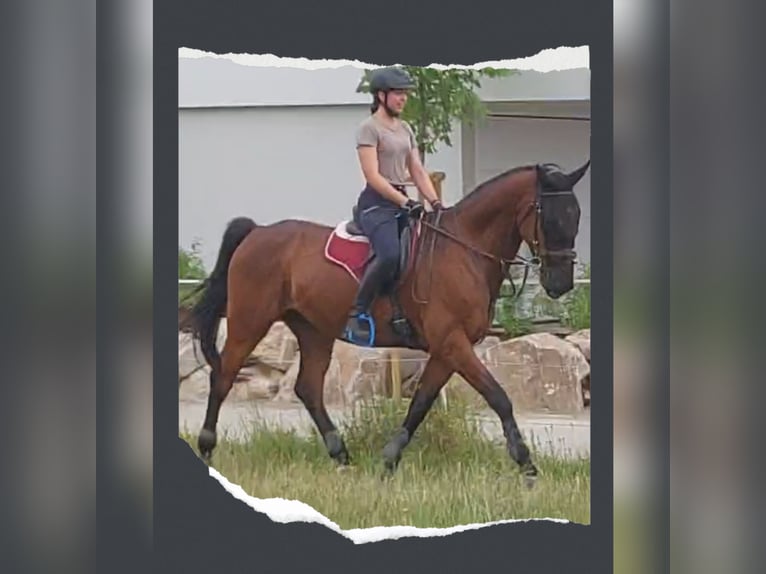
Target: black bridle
<point>537,252</point>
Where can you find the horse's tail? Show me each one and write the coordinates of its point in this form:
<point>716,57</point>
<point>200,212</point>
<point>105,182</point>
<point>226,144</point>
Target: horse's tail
<point>206,313</point>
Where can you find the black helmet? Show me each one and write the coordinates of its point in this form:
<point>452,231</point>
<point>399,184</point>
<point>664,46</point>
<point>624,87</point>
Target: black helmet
<point>386,79</point>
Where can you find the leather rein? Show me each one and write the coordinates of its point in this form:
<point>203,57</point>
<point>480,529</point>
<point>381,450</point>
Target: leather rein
<point>505,264</point>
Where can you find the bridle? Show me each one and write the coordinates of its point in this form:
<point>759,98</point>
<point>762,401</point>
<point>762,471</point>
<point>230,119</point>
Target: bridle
<point>537,252</point>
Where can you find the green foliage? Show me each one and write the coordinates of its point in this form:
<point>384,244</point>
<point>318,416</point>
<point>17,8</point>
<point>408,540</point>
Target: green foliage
<point>577,305</point>
<point>190,266</point>
<point>439,98</point>
<point>190,262</point>
<point>572,310</point>
<point>511,317</point>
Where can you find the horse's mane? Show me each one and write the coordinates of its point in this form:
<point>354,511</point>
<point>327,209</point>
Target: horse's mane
<point>477,192</point>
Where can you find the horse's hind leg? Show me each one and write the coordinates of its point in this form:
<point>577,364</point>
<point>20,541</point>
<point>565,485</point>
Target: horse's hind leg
<point>315,355</point>
<point>468,365</point>
<point>238,346</point>
<point>434,377</point>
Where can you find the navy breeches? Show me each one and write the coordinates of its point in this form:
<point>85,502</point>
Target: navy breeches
<point>382,222</point>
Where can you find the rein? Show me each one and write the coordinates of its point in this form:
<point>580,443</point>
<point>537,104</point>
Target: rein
<point>505,264</point>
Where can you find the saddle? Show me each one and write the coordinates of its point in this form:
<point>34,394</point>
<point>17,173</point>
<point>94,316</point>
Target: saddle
<point>350,248</point>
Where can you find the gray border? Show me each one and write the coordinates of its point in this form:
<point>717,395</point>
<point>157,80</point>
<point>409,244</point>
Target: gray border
<point>200,527</point>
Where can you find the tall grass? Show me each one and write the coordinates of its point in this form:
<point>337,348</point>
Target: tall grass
<point>450,473</point>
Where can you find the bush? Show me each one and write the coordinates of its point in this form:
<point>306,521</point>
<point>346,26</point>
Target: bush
<point>190,266</point>
<point>510,314</point>
<point>576,312</point>
<point>516,316</point>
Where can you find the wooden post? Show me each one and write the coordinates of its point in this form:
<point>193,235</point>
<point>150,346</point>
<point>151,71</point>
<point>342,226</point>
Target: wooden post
<point>396,376</point>
<point>437,177</point>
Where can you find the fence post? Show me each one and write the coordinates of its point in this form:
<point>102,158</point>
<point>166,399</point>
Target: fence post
<point>396,376</point>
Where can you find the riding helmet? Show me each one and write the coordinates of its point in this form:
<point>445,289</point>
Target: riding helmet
<point>386,79</point>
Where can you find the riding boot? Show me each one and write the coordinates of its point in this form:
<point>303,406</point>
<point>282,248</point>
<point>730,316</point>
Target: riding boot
<point>360,327</point>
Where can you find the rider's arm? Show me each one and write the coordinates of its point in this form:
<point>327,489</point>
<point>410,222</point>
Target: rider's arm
<point>368,159</point>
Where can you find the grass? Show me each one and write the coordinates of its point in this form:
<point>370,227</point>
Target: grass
<point>450,473</point>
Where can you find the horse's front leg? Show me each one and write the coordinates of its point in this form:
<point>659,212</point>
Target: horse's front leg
<point>434,377</point>
<point>463,359</point>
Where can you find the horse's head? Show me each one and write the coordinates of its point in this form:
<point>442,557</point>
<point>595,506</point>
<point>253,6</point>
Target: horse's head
<point>551,225</point>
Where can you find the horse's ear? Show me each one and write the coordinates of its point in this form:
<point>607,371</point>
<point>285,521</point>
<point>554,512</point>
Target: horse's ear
<point>577,174</point>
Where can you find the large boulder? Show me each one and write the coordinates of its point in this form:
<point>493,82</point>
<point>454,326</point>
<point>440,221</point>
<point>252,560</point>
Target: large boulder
<point>540,372</point>
<point>358,373</point>
<point>196,386</point>
<point>581,340</point>
<point>355,373</point>
<point>278,349</point>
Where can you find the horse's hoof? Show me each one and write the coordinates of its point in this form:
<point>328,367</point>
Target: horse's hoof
<point>392,453</point>
<point>387,474</point>
<point>389,467</point>
<point>336,448</point>
<point>206,443</point>
<point>343,468</point>
<point>530,476</point>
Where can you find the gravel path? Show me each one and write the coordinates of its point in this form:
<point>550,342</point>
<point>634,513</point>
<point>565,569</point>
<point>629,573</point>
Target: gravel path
<point>555,434</point>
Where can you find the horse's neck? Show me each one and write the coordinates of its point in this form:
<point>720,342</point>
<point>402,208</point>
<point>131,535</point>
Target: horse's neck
<point>489,221</point>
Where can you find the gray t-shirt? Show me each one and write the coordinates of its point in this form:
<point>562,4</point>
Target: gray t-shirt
<point>393,145</point>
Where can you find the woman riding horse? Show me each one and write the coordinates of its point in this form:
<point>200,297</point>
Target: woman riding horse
<point>387,152</point>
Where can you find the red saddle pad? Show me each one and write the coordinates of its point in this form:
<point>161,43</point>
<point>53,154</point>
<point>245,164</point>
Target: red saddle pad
<point>347,250</point>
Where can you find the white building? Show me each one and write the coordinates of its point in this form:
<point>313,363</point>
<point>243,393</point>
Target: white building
<point>274,143</point>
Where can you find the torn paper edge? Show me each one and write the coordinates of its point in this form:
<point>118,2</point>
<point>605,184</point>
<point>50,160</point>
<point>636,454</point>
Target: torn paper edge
<point>285,511</point>
<point>549,60</point>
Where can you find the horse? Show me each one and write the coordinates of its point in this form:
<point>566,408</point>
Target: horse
<point>461,256</point>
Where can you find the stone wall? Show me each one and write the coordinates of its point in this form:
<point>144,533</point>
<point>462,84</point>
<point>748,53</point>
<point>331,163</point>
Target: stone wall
<point>540,372</point>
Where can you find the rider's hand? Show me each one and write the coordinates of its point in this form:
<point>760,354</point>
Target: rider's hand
<point>414,208</point>
<point>437,205</point>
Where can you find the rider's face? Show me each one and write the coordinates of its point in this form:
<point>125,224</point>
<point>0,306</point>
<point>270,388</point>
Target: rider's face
<point>396,100</point>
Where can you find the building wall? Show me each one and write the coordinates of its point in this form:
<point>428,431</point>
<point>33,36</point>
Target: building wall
<point>501,143</point>
<point>276,143</point>
<point>273,163</point>
<point>208,82</point>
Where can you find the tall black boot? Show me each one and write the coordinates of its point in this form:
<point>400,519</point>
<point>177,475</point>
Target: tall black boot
<point>360,328</point>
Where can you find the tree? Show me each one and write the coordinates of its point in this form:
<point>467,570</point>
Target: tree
<point>439,98</point>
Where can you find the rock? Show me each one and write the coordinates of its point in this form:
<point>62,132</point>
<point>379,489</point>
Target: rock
<point>190,357</point>
<point>540,372</point>
<point>481,348</point>
<point>356,373</point>
<point>581,339</point>
<point>286,385</point>
<point>196,386</point>
<point>255,380</point>
<point>411,365</point>
<point>278,349</point>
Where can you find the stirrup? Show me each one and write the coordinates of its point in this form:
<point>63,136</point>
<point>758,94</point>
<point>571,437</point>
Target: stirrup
<point>349,333</point>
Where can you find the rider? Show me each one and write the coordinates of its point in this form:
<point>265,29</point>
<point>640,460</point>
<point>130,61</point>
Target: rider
<point>387,152</point>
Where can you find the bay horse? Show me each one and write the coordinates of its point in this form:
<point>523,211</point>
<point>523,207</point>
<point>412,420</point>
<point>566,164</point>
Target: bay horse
<point>279,272</point>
